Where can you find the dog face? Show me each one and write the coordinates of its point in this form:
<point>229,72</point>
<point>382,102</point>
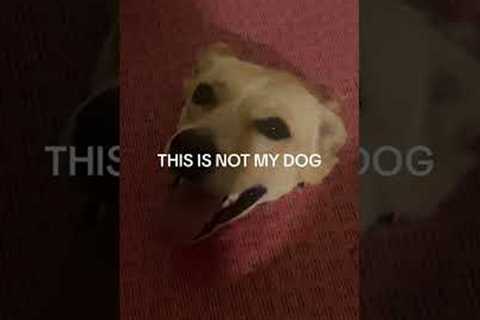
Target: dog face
<point>233,106</point>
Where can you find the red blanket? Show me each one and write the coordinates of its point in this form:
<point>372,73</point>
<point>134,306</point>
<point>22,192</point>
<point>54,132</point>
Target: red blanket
<point>292,259</point>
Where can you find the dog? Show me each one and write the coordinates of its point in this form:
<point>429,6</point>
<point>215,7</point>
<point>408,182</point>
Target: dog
<point>236,106</point>
<point>419,88</point>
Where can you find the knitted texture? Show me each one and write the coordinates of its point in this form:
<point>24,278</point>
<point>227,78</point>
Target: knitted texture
<point>291,259</point>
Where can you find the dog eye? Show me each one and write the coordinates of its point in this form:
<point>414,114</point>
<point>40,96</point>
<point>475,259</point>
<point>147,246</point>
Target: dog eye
<point>204,95</point>
<point>273,128</point>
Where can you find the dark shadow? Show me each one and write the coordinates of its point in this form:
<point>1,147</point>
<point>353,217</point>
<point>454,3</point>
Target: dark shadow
<point>48,269</point>
<point>419,70</point>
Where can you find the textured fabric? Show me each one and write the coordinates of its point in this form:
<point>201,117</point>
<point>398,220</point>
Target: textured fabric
<point>292,259</point>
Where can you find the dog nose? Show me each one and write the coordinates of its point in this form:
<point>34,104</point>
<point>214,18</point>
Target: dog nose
<point>194,142</point>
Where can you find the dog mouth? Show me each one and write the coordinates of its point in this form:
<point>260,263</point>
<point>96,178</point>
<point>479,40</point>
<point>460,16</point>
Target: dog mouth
<point>232,207</point>
<point>203,214</point>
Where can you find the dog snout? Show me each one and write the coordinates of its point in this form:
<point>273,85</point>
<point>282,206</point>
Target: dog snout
<point>190,146</point>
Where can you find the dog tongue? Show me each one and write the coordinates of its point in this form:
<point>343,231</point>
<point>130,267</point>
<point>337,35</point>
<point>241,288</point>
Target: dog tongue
<point>187,210</point>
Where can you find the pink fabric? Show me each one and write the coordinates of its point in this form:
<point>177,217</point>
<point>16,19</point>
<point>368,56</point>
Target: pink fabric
<point>292,259</point>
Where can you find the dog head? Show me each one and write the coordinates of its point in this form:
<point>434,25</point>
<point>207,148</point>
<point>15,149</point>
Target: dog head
<point>234,106</point>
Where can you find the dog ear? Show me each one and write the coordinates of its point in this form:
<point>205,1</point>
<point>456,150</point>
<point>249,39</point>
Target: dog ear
<point>220,48</point>
<point>326,96</point>
<point>207,56</point>
<point>331,134</point>
<point>330,138</point>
